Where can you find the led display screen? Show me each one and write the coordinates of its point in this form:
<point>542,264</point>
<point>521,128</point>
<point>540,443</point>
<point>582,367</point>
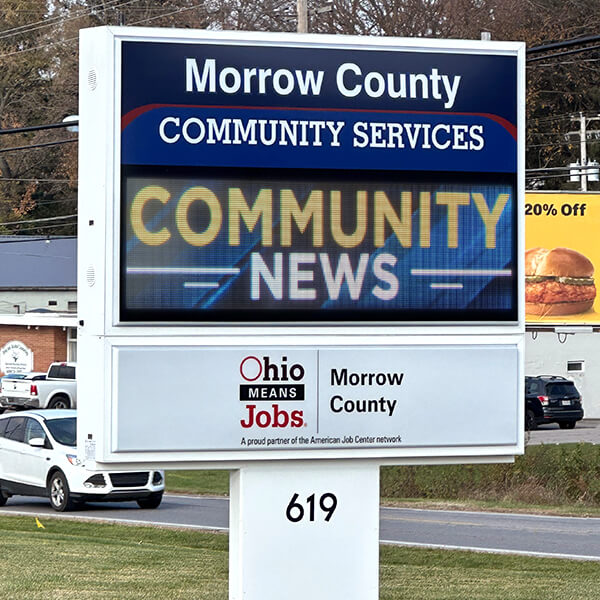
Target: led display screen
<point>292,184</point>
<point>276,245</point>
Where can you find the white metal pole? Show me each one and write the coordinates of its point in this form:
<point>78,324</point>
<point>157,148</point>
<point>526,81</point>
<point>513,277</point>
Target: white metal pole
<point>583,151</point>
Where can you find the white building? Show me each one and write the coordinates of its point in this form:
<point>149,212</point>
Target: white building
<point>572,355</point>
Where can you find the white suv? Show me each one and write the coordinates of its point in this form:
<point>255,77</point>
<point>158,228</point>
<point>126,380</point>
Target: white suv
<point>38,458</point>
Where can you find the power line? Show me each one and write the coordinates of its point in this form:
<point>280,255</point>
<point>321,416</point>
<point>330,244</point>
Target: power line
<point>33,146</point>
<point>576,51</point>
<point>549,169</point>
<point>75,39</point>
<point>536,177</point>
<point>61,19</point>
<point>35,180</point>
<point>568,62</point>
<point>39,127</point>
<point>40,227</point>
<point>38,220</point>
<point>563,44</point>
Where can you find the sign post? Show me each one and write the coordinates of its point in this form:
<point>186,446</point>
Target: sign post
<point>300,258</point>
<point>310,529</point>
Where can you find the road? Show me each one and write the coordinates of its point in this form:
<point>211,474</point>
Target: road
<point>561,537</point>
<point>587,430</point>
<point>558,537</point>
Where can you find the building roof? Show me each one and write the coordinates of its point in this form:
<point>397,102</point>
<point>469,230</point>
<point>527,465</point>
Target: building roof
<point>31,319</point>
<point>34,262</point>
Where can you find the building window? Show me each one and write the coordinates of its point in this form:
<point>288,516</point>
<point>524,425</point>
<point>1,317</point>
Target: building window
<point>52,303</point>
<point>575,366</point>
<point>72,305</point>
<point>72,344</point>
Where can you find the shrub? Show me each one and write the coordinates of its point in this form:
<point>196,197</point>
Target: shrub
<point>546,474</point>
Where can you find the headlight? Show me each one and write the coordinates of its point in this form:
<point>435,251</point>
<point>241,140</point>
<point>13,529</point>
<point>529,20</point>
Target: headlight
<point>157,478</point>
<point>72,458</point>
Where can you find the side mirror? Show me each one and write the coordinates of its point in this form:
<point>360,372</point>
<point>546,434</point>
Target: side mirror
<point>37,442</point>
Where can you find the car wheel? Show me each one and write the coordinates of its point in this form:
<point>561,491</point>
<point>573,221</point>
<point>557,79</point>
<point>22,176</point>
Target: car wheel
<point>59,402</point>
<point>567,424</point>
<point>3,498</point>
<point>60,496</point>
<point>152,501</point>
<point>530,422</point>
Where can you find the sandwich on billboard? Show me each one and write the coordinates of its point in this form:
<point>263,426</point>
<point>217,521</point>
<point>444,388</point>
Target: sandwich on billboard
<point>561,256</point>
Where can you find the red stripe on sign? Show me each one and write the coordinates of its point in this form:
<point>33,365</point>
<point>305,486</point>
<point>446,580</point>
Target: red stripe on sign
<point>129,117</point>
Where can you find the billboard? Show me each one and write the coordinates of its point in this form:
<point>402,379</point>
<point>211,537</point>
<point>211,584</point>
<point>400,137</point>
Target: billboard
<point>561,230</point>
<point>298,247</point>
<point>317,184</point>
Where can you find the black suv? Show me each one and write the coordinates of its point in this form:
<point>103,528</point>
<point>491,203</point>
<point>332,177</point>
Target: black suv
<point>551,399</point>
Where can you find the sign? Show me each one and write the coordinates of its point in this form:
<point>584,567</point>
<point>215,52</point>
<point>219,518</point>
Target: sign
<point>16,357</point>
<point>267,399</point>
<point>299,248</point>
<point>295,252</point>
<point>563,220</point>
<point>317,183</point>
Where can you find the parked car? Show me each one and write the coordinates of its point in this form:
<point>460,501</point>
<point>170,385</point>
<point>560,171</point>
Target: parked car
<point>55,389</point>
<point>552,399</point>
<point>38,457</point>
<point>8,380</point>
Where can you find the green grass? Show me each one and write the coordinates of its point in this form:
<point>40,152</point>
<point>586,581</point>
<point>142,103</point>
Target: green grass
<point>415,574</point>
<point>208,483</point>
<point>75,560</point>
<point>559,479</point>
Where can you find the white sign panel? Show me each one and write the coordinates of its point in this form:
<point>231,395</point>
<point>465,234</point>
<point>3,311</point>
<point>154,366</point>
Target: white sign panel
<point>327,398</point>
<point>16,357</point>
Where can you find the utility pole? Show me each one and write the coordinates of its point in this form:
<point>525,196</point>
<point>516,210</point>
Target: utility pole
<point>583,151</point>
<point>585,170</point>
<point>302,9</point>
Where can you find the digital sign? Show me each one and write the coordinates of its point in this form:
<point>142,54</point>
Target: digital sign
<point>306,230</point>
<point>232,245</point>
<point>317,185</point>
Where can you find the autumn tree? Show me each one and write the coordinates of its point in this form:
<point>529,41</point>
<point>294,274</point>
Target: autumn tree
<point>39,74</point>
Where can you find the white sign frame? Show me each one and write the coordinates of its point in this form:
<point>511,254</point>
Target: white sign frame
<point>99,260</point>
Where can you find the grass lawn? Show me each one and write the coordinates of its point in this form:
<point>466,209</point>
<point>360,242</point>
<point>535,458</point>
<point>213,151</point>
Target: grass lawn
<point>210,483</point>
<point>76,560</point>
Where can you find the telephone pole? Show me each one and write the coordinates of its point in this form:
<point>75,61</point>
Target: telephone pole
<point>583,134</point>
<point>302,9</point>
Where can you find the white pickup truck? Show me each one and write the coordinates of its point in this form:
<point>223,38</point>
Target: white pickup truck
<point>57,389</point>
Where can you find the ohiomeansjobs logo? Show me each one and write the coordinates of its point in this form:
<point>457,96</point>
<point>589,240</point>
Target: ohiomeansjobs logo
<point>271,382</point>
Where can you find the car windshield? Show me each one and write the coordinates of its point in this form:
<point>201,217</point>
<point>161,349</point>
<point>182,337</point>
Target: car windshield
<point>64,431</point>
<point>562,389</point>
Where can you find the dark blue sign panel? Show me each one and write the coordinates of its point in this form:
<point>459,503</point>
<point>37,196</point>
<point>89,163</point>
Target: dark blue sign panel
<point>265,183</point>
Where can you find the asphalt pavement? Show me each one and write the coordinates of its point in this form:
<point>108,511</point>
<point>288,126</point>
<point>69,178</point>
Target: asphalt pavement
<point>587,430</point>
<point>502,533</point>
